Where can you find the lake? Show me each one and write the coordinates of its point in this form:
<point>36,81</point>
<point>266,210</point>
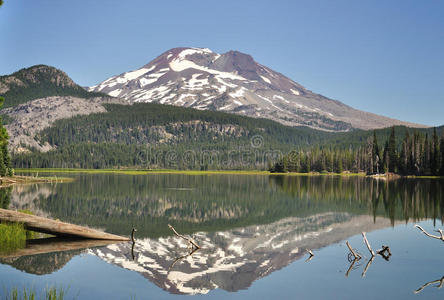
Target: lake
<point>253,231</point>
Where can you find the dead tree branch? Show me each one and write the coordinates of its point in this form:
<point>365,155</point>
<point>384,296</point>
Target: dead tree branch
<point>368,245</point>
<point>440,281</point>
<point>353,252</point>
<point>189,240</point>
<point>385,252</point>
<point>441,237</point>
<point>311,255</point>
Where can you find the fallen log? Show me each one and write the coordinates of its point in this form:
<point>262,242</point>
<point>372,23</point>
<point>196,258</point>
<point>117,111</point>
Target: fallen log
<point>57,228</point>
<point>55,244</point>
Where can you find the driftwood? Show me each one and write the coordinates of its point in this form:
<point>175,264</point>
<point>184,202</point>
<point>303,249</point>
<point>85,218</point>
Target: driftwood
<point>368,245</point>
<point>385,252</point>
<point>132,235</point>
<point>56,227</point>
<point>440,237</point>
<point>311,255</point>
<point>353,252</point>
<point>189,240</point>
<point>440,281</point>
<point>54,244</point>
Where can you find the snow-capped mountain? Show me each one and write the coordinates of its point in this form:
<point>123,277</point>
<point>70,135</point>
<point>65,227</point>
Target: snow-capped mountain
<point>232,260</point>
<point>233,82</point>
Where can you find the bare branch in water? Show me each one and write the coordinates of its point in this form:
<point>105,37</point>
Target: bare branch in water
<point>189,240</point>
<point>440,281</point>
<point>368,245</point>
<point>441,237</point>
<point>385,252</point>
<point>353,252</point>
<point>311,255</point>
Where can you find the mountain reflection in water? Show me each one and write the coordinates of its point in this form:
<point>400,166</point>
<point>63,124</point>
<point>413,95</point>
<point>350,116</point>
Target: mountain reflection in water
<point>232,260</point>
<point>247,226</point>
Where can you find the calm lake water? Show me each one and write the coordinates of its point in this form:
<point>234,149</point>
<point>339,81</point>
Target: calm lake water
<point>253,231</point>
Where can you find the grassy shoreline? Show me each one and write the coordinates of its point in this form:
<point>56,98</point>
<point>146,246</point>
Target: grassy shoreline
<point>196,172</point>
<point>184,172</point>
<point>19,179</point>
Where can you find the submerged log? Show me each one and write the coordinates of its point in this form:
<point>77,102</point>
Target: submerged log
<point>57,228</point>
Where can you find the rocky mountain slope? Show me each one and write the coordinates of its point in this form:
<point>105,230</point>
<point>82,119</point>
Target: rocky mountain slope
<point>234,82</point>
<point>36,97</point>
<point>28,119</point>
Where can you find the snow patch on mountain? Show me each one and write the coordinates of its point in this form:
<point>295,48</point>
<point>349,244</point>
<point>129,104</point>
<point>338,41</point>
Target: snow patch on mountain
<point>265,79</point>
<point>203,79</point>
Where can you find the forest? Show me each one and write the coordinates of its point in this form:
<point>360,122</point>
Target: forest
<point>5,159</point>
<point>415,154</point>
<point>149,136</point>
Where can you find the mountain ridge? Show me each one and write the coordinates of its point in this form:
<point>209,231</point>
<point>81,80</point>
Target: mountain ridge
<point>39,81</point>
<point>234,82</point>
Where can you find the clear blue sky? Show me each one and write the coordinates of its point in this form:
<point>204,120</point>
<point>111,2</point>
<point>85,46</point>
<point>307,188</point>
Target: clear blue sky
<point>381,56</point>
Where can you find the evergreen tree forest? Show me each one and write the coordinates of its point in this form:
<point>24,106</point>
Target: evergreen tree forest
<point>5,159</point>
<point>416,153</point>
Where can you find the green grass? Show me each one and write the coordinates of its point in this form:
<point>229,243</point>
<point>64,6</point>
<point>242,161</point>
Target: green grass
<point>50,293</point>
<point>168,171</point>
<point>13,236</point>
<point>192,172</point>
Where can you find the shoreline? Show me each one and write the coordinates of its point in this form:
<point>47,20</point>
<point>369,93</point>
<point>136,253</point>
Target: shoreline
<point>21,179</point>
<point>208,172</point>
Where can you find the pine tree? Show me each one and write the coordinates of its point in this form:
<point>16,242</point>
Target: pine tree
<point>375,154</point>
<point>385,158</point>
<point>435,154</point>
<point>5,160</point>
<point>441,146</point>
<point>392,153</point>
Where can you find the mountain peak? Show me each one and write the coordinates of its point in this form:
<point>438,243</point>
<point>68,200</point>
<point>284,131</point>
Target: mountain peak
<point>41,73</point>
<point>39,81</point>
<point>235,82</point>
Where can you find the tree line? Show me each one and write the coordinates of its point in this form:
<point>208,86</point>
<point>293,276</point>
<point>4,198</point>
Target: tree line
<point>5,159</point>
<point>416,154</point>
